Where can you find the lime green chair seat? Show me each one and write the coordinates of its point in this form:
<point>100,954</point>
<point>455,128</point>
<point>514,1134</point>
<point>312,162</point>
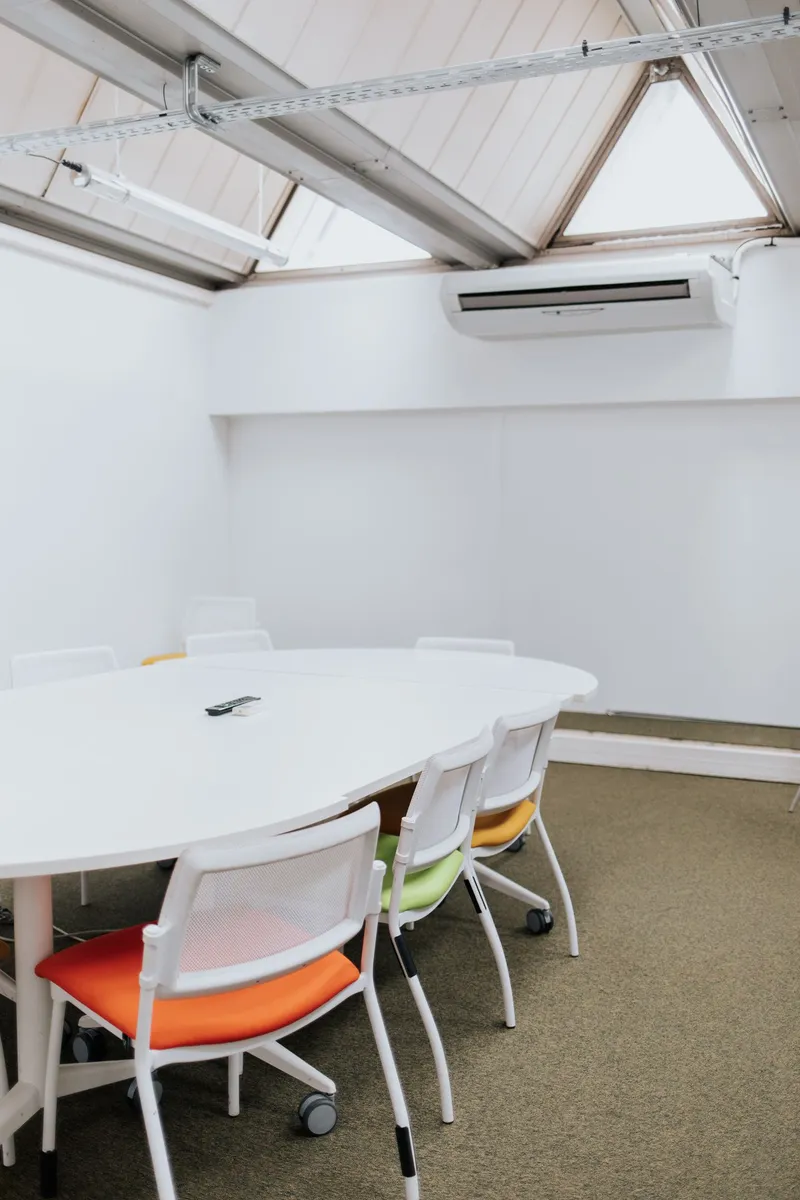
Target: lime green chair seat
<point>422,888</point>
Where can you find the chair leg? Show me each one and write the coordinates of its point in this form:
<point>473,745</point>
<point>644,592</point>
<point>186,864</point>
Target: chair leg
<point>277,1056</point>
<point>405,1143</point>
<point>84,888</point>
<point>492,936</point>
<point>49,1160</point>
<point>421,1000</point>
<point>233,1085</point>
<point>499,883</point>
<point>566,899</point>
<point>155,1134</point>
<point>9,1156</point>
<point>795,800</point>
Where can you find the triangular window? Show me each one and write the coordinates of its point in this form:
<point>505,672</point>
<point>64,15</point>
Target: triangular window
<point>669,169</point>
<point>315,232</point>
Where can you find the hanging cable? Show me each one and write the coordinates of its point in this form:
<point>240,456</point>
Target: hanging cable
<point>118,142</point>
<point>261,174</point>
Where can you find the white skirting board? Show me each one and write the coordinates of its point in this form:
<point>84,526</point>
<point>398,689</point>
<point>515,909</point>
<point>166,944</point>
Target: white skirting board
<point>764,763</point>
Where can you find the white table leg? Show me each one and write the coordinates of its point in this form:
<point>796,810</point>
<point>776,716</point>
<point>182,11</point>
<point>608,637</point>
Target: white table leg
<point>33,941</point>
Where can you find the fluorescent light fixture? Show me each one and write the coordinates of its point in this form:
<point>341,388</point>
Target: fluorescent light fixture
<point>178,216</point>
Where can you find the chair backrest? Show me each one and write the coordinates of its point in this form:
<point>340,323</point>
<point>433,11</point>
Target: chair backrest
<point>517,761</point>
<point>475,645</point>
<point>445,800</point>
<point>50,666</point>
<point>233,642</point>
<point>219,614</point>
<point>250,910</point>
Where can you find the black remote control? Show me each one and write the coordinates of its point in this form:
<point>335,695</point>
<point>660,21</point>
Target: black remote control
<point>217,710</point>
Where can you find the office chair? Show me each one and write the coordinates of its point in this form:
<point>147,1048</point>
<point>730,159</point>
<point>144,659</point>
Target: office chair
<point>511,802</point>
<point>430,854</point>
<point>246,951</point>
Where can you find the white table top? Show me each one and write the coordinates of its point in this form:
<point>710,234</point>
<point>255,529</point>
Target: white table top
<point>127,767</point>
<point>455,668</point>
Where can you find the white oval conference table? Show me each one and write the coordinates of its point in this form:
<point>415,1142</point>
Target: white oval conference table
<point>128,768</point>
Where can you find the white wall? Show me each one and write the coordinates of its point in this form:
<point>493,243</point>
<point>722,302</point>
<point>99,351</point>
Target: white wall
<point>113,504</point>
<point>652,546</point>
<point>553,501</point>
<point>382,342</point>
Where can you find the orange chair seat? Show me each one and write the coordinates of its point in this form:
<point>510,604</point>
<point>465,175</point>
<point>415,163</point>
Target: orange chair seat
<point>103,975</point>
<point>495,829</point>
<point>157,658</point>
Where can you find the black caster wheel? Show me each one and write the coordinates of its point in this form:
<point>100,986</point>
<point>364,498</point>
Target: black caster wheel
<point>89,1045</point>
<point>166,864</point>
<point>132,1094</point>
<point>67,1032</point>
<point>317,1114</point>
<point>516,846</point>
<point>539,920</point>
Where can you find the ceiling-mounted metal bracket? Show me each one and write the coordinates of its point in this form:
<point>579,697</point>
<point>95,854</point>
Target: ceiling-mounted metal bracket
<point>191,69</point>
<point>666,69</point>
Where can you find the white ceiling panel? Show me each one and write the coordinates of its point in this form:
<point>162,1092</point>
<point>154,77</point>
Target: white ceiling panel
<point>38,89</point>
<point>515,151</point>
<point>585,137</point>
<point>431,45</point>
<point>487,143</point>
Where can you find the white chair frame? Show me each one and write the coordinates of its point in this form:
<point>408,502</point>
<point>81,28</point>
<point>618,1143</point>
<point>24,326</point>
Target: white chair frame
<point>52,666</point>
<point>162,977</point>
<point>514,738</point>
<point>475,645</point>
<point>414,851</point>
<point>235,641</point>
<point>217,614</point>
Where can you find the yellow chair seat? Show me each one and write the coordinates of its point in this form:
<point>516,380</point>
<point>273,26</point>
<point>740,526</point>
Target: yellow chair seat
<point>495,829</point>
<point>156,658</point>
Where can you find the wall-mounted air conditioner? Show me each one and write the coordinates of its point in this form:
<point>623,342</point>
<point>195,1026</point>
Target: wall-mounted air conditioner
<point>548,298</point>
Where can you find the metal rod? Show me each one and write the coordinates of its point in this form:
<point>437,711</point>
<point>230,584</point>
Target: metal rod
<point>646,48</point>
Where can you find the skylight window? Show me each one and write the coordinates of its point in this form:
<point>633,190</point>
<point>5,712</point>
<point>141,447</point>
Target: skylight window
<point>670,169</point>
<point>315,232</point>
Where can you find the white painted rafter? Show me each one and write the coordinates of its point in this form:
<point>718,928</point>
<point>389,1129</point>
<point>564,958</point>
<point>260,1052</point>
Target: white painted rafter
<point>141,47</point>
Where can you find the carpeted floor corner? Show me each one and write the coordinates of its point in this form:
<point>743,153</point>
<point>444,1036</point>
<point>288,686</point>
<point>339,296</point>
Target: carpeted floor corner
<point>662,1064</point>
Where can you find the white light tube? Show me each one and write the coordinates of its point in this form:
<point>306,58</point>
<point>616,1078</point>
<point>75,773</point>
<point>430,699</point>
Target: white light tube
<point>178,216</point>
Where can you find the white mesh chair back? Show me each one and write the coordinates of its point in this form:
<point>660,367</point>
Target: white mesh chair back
<point>234,642</point>
<point>445,800</point>
<point>475,645</point>
<point>219,614</point>
<point>50,666</point>
<point>518,759</point>
<point>249,911</point>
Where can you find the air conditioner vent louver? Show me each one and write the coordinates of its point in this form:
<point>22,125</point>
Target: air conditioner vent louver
<point>548,299</point>
<point>570,297</point>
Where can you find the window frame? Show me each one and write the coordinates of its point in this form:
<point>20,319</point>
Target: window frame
<point>556,237</point>
<point>254,276</point>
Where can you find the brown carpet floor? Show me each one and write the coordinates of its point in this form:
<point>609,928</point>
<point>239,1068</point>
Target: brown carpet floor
<point>662,1064</point>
